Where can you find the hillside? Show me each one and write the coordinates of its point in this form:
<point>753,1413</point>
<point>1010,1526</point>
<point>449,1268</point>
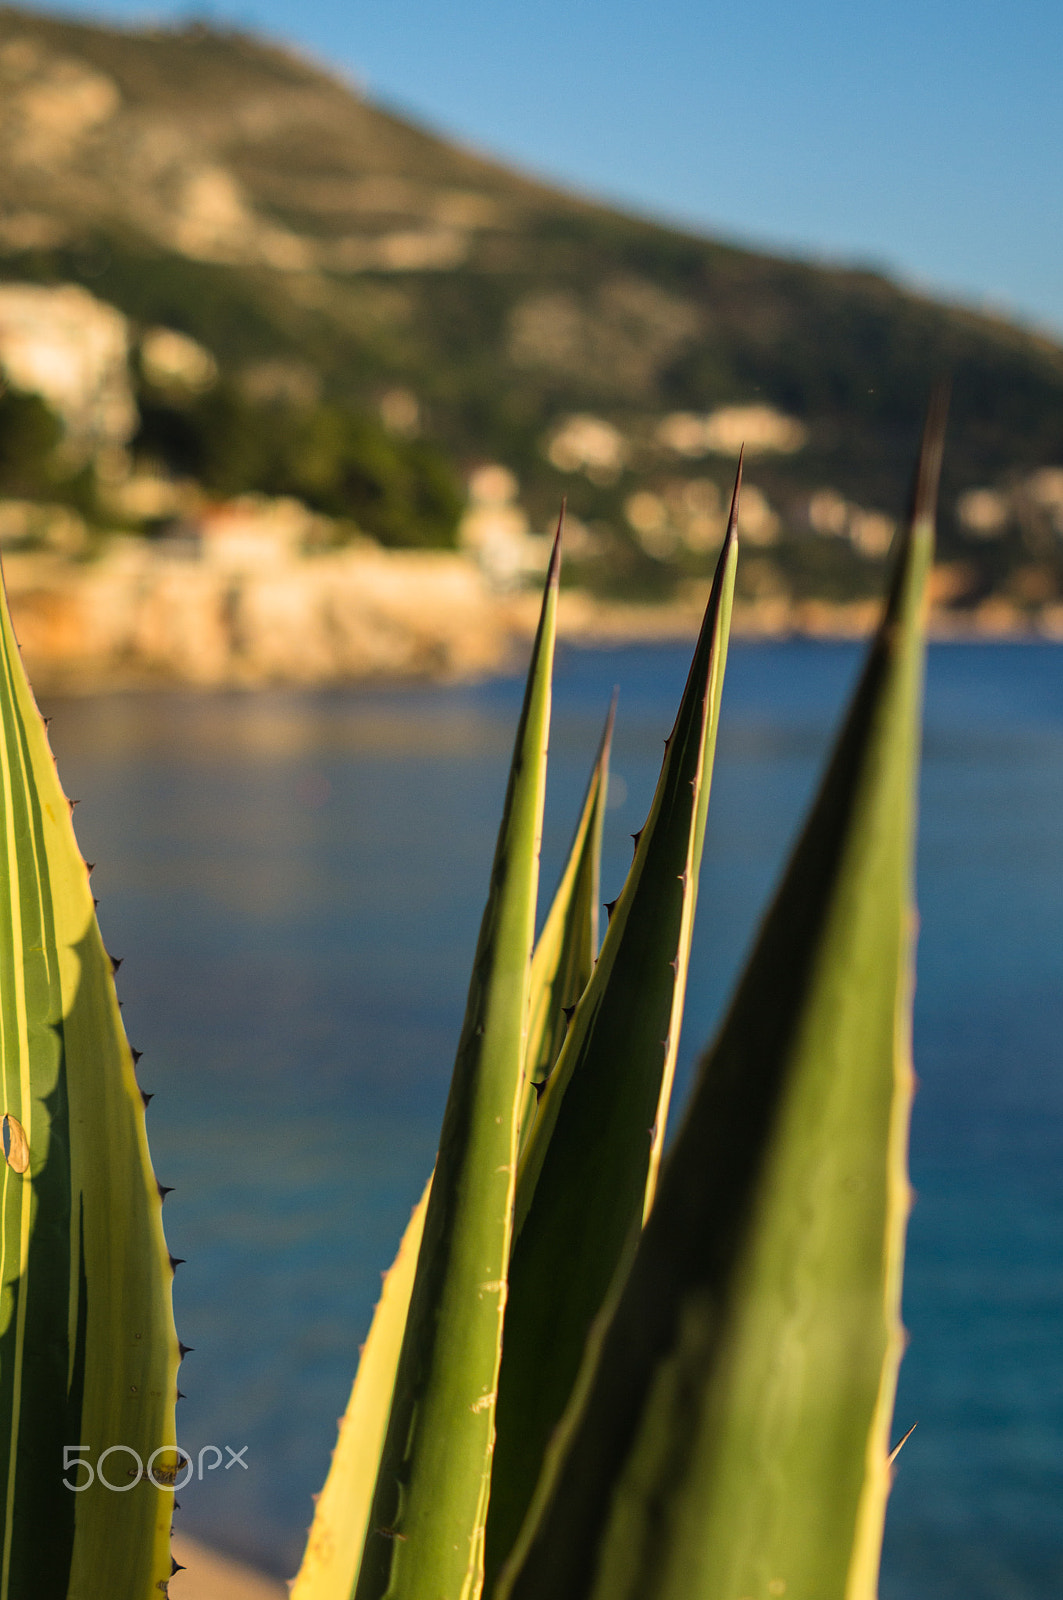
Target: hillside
<point>326,252</point>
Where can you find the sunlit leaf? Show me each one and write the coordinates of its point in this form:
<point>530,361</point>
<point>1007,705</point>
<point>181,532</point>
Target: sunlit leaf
<point>425,1535</point>
<point>88,1353</point>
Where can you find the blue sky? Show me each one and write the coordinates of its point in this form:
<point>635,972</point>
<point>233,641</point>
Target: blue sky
<point>926,139</point>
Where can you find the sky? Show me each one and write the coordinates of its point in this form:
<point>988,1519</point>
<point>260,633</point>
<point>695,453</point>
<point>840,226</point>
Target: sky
<point>925,139</point>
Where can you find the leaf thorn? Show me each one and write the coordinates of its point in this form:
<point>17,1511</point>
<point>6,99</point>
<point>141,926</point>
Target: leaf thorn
<point>895,1452</point>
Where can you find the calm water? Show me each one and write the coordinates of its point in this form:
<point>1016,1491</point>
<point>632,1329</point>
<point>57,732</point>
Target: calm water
<point>295,882</point>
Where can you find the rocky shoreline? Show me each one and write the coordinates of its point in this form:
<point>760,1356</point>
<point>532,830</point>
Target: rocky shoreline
<point>137,618</point>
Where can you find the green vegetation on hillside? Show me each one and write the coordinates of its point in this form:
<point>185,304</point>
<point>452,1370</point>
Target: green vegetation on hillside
<point>32,462</point>
<point>29,434</point>
<point>336,460</point>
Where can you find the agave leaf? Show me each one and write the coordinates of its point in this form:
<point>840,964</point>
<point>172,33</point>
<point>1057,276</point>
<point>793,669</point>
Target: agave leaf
<point>337,1534</point>
<point>588,1170</point>
<point>568,944</point>
<point>729,1430</point>
<point>561,965</point>
<point>88,1353</point>
<point>425,1536</point>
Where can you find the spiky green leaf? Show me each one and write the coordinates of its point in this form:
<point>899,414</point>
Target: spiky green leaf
<point>728,1434</point>
<point>561,965</point>
<point>588,1171</point>
<point>425,1536</point>
<point>88,1353</point>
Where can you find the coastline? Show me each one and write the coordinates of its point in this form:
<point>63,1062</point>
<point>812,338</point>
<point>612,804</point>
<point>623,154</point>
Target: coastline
<point>138,619</point>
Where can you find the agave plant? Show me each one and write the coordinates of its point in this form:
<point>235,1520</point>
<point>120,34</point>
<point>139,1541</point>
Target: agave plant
<point>585,1381</point>
<point>591,1375</point>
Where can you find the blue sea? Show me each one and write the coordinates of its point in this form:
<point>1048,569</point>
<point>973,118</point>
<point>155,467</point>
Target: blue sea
<point>295,879</point>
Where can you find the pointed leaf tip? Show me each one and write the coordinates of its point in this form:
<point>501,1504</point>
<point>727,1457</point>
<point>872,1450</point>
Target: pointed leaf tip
<point>917,534</point>
<point>932,445</point>
<point>899,1446</point>
<point>607,736</point>
<point>736,495</point>
<point>553,573</point>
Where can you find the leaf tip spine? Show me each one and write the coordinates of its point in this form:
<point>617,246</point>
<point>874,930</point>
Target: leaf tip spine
<point>731,536</point>
<point>610,722</point>
<point>899,1446</point>
<point>553,573</point>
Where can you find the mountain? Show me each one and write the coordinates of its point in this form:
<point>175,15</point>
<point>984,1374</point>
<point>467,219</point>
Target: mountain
<point>325,250</point>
